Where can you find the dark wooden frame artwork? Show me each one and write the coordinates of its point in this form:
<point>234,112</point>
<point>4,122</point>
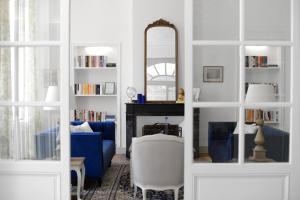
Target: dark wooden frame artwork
<point>160,23</point>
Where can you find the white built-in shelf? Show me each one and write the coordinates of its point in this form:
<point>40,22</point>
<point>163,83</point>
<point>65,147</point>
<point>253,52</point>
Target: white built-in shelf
<point>262,68</point>
<point>98,95</point>
<point>96,68</point>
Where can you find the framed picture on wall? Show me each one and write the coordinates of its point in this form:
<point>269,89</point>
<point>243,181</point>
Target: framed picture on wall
<point>213,74</point>
<point>109,88</point>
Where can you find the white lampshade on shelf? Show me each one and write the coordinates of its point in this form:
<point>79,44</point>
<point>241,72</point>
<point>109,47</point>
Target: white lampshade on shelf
<point>52,96</point>
<point>260,93</point>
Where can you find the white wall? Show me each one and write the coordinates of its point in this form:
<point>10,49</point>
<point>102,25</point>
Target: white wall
<point>99,21</point>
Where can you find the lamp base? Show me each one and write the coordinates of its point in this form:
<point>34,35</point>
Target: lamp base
<point>259,155</point>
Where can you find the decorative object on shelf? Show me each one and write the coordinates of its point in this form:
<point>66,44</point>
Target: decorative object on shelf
<point>260,93</point>
<point>180,96</point>
<point>131,92</point>
<point>141,98</point>
<point>111,65</point>
<point>213,74</point>
<point>196,94</point>
<point>109,88</point>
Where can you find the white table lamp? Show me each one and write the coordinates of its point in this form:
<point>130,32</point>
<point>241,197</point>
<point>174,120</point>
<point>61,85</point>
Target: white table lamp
<point>52,96</point>
<point>260,93</point>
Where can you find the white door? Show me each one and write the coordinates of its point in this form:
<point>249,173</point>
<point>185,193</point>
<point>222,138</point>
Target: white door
<point>244,57</point>
<point>34,101</point>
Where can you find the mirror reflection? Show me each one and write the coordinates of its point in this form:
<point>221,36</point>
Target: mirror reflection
<point>161,64</point>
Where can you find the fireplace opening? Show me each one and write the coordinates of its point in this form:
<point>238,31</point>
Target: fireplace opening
<point>163,128</point>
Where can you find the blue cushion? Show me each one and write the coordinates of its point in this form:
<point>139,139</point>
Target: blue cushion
<point>108,151</point>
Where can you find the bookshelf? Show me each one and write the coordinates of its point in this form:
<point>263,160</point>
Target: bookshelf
<point>93,65</point>
<point>265,65</point>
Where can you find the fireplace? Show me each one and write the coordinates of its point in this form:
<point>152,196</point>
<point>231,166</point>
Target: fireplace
<point>164,128</point>
<point>157,109</point>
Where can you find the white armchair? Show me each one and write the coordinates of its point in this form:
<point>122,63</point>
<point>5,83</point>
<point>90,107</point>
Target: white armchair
<point>157,163</point>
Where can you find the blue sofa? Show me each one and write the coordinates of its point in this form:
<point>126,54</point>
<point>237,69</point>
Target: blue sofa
<point>98,147</point>
<point>223,144</point>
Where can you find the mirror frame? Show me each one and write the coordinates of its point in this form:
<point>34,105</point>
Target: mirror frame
<point>160,23</point>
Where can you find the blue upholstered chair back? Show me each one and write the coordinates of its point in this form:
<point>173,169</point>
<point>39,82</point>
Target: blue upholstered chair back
<point>220,140</point>
<point>106,128</point>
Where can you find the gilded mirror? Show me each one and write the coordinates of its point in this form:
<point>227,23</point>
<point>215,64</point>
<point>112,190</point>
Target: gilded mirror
<point>161,62</point>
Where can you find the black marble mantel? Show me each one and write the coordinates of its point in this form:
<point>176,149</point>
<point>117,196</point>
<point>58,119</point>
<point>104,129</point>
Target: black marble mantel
<point>153,109</point>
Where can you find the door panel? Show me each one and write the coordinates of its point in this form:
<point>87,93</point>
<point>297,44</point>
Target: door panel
<point>237,187</point>
<point>46,186</point>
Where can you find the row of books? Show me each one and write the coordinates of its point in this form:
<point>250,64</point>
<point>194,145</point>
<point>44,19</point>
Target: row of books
<point>275,85</point>
<point>90,61</point>
<point>87,89</point>
<point>92,116</point>
<point>271,116</point>
<point>256,61</point>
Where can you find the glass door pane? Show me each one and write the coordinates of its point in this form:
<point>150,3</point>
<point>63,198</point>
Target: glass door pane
<point>268,72</point>
<point>215,131</point>
<point>216,73</point>
<point>271,142</point>
<point>214,17</point>
<point>267,19</point>
<point>28,20</point>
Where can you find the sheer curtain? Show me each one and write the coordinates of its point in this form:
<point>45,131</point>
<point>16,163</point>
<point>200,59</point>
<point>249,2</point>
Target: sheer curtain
<point>21,77</point>
<point>5,82</point>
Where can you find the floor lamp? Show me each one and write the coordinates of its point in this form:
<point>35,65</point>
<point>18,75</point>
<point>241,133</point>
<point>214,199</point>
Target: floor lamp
<point>258,93</point>
<point>53,96</point>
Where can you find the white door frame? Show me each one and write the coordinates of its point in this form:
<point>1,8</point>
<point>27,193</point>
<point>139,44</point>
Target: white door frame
<point>289,172</point>
<point>57,173</point>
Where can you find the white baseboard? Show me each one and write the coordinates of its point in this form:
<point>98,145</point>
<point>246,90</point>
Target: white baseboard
<point>121,150</point>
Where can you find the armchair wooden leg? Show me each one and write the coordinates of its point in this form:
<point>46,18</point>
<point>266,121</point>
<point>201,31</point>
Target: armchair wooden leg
<point>176,193</point>
<point>144,191</point>
<point>135,191</point>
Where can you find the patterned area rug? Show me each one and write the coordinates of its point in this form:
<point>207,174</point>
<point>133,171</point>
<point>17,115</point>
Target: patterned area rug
<point>116,185</point>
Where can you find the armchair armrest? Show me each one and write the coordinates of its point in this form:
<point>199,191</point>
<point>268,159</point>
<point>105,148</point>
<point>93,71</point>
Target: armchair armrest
<point>90,146</point>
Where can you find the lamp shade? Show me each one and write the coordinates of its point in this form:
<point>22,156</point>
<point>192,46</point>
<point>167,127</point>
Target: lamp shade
<point>260,93</point>
<point>52,96</point>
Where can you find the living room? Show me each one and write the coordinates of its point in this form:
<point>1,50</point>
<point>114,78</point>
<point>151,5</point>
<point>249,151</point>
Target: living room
<point>173,99</point>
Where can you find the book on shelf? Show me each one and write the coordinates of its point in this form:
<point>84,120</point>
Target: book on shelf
<point>90,61</point>
<point>92,116</point>
<point>256,61</point>
<point>271,116</point>
<point>87,89</point>
<point>275,85</point>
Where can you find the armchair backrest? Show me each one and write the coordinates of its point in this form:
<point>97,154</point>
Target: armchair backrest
<point>220,130</point>
<point>158,160</point>
<point>106,128</point>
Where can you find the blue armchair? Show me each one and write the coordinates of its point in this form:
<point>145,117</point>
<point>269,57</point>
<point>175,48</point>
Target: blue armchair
<point>98,147</point>
<point>220,140</point>
<point>223,144</point>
